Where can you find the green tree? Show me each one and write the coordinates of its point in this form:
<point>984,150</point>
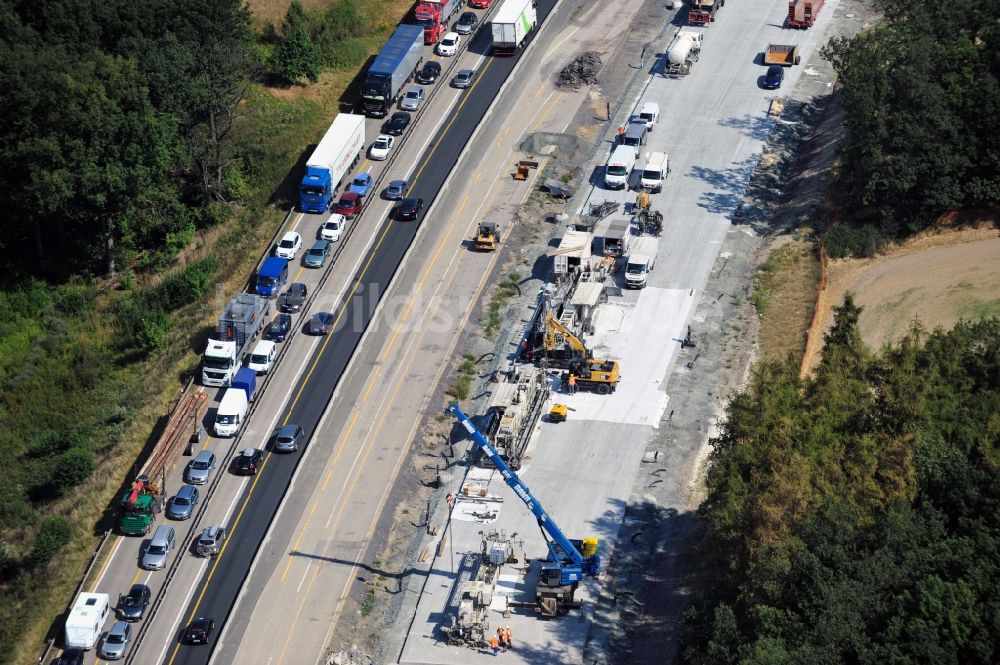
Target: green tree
<point>297,56</point>
<point>52,537</point>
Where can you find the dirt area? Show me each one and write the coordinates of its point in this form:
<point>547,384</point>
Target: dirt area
<point>935,279</point>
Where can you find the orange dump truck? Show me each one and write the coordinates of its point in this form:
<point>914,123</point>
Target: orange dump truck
<point>785,55</point>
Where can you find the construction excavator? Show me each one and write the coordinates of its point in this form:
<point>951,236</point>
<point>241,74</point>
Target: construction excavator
<point>564,350</point>
<point>488,237</point>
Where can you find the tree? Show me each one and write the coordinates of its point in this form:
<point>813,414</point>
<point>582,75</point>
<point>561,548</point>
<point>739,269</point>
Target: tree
<point>297,56</point>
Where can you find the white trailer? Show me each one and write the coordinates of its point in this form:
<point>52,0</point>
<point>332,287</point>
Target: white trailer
<point>683,52</point>
<point>512,24</point>
<point>641,261</point>
<point>86,620</point>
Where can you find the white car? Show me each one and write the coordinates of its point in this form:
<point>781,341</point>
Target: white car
<point>289,245</point>
<point>449,44</point>
<point>262,356</point>
<point>331,228</point>
<point>381,147</point>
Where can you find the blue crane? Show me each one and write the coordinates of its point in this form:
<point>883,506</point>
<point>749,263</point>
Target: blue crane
<point>568,565</point>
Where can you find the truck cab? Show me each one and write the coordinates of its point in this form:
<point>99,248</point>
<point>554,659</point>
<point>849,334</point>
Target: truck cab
<point>316,190</point>
<point>218,364</point>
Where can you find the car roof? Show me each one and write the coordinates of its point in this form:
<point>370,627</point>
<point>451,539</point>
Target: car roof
<point>297,286</point>
<point>320,244</point>
<point>248,452</point>
<point>288,430</point>
<point>466,72</point>
<point>290,235</point>
<point>451,35</point>
<point>119,627</point>
<point>187,490</point>
<point>264,345</point>
<point>397,183</point>
<point>283,317</point>
<point>350,196</point>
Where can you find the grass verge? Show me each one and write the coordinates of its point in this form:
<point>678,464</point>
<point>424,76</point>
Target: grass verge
<point>784,294</point>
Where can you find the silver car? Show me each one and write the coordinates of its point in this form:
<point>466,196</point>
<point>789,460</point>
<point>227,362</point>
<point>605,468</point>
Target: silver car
<point>464,78</point>
<point>116,640</point>
<point>200,468</point>
<point>181,506</point>
<point>412,99</point>
<point>288,439</point>
<point>317,254</point>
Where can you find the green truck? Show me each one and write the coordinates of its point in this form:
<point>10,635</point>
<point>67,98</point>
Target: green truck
<point>138,507</point>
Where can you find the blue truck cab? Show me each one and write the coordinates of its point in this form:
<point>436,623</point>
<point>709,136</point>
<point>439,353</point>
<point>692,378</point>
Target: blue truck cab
<point>316,191</point>
<point>272,276</point>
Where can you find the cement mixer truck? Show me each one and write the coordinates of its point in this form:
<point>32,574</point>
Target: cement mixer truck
<point>683,52</point>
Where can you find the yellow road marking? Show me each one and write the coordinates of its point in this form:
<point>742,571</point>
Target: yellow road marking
<point>371,383</point>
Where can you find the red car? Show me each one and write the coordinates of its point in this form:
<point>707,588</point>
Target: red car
<point>349,205</point>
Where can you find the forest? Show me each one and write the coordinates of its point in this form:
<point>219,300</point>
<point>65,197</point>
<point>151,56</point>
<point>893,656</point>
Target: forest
<point>921,101</point>
<point>854,516</point>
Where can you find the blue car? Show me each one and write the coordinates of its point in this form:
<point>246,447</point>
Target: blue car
<point>773,77</point>
<point>361,184</point>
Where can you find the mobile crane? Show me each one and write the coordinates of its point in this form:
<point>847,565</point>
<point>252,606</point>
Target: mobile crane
<point>569,561</point>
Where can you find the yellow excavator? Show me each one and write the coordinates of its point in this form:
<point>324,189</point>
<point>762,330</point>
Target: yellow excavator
<point>569,352</point>
<point>488,236</point>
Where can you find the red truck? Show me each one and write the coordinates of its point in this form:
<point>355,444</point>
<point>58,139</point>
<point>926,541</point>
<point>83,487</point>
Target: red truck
<point>434,16</point>
<point>480,4</point>
<point>702,12</point>
<point>802,13</point>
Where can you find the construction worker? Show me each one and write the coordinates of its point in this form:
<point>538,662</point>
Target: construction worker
<point>621,133</point>
<point>572,384</point>
<point>502,636</point>
<point>510,638</point>
<point>495,645</point>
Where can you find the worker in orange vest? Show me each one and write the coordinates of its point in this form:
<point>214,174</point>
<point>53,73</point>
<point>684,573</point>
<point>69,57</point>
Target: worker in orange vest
<point>572,384</point>
<point>495,645</point>
<point>510,637</point>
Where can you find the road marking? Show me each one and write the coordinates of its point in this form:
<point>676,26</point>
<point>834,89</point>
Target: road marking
<point>104,569</point>
<point>557,46</point>
<point>371,383</point>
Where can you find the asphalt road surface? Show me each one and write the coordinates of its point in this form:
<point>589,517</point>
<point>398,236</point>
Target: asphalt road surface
<point>216,593</point>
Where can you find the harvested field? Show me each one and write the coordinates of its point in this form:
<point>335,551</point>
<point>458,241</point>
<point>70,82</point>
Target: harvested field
<point>936,279</point>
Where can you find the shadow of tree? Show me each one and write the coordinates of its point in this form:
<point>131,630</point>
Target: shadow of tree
<point>730,184</point>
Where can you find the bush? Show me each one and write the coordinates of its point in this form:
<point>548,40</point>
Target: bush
<point>72,468</point>
<point>861,241</point>
<point>52,537</point>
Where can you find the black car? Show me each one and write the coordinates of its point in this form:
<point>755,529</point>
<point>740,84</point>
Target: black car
<point>410,208</point>
<point>133,605</point>
<point>199,630</point>
<point>467,23</point>
<point>71,657</point>
<point>279,328</point>
<point>294,298</point>
<point>429,72</point>
<point>248,461</point>
<point>320,323</point>
<point>772,79</point>
<point>397,124</point>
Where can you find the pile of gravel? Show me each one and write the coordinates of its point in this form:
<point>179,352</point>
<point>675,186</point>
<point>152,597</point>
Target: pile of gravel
<point>582,71</point>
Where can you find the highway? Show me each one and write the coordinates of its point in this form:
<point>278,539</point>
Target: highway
<point>247,505</point>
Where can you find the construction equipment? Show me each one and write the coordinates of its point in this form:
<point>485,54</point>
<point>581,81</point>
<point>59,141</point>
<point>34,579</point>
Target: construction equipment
<point>488,236</point>
<point>602,376</point>
<point>564,350</point>
<point>558,413</point>
<point>802,13</point>
<point>649,221</point>
<point>702,12</point>
<point>523,168</point>
<point>470,625</point>
<point>785,55</point>
<point>513,411</point>
<point>598,211</point>
<point>569,561</point>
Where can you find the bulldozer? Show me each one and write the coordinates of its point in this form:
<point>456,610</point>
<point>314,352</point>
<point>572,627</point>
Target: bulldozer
<point>488,236</point>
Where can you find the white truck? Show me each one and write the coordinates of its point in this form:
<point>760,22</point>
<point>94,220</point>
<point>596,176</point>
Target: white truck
<point>683,52</point>
<point>640,261</point>
<point>86,620</point>
<point>512,24</point>
<point>654,172</point>
<point>243,318</point>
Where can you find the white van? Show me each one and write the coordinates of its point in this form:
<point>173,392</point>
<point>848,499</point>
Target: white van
<point>649,114</point>
<point>232,412</point>
<point>655,171</point>
<point>86,620</point>
<point>619,167</point>
<point>262,356</point>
